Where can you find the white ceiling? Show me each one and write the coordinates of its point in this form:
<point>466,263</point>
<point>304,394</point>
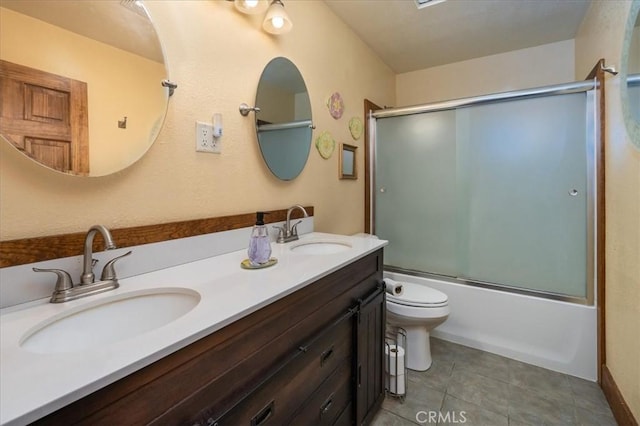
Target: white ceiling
<point>409,39</point>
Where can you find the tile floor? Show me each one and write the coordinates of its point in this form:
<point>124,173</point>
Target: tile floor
<point>473,387</point>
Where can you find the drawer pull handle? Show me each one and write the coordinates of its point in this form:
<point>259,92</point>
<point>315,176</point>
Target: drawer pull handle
<point>326,355</point>
<point>263,415</point>
<point>326,406</point>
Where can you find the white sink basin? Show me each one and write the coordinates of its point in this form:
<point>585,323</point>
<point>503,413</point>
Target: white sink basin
<point>320,247</point>
<point>109,320</point>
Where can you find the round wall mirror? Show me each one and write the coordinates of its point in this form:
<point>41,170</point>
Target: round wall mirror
<point>630,74</point>
<point>81,83</point>
<point>283,123</point>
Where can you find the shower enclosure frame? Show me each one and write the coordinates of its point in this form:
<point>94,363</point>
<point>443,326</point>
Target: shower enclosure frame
<point>594,169</point>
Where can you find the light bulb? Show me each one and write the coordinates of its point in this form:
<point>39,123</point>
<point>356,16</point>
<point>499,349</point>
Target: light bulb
<point>252,7</point>
<point>277,22</point>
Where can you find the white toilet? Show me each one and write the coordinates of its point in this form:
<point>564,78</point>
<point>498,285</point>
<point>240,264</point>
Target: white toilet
<point>418,310</point>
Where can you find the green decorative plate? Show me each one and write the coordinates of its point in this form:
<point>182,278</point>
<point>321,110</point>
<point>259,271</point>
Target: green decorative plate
<point>355,127</point>
<point>325,144</point>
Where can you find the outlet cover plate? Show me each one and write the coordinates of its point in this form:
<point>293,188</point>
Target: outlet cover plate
<point>204,137</point>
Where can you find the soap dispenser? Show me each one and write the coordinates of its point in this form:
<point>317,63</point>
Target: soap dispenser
<point>260,243</point>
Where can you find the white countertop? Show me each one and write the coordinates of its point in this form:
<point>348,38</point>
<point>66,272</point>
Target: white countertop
<point>33,385</point>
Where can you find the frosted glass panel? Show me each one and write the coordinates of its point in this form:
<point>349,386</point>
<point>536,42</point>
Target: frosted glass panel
<point>522,193</point>
<point>415,167</point>
<point>492,193</point>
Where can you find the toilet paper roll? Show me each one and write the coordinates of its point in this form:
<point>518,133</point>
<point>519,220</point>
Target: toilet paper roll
<point>397,385</point>
<point>393,287</point>
<point>395,355</point>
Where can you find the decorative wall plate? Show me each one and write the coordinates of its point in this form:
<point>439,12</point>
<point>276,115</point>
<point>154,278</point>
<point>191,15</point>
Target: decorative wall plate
<point>335,105</point>
<point>355,127</point>
<point>325,144</point>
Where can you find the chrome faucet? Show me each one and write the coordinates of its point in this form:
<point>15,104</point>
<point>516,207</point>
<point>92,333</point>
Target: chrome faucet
<point>65,290</point>
<point>289,232</point>
<point>87,276</point>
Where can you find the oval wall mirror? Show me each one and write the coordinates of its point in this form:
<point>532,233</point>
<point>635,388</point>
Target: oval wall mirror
<point>630,73</point>
<point>81,83</point>
<point>283,124</point>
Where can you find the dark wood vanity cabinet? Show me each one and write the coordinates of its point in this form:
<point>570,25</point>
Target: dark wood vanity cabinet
<point>314,357</point>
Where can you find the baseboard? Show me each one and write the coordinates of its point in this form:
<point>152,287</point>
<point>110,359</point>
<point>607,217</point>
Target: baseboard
<point>619,407</point>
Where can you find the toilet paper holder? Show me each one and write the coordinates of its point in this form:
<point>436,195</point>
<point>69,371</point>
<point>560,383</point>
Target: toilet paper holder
<point>395,350</point>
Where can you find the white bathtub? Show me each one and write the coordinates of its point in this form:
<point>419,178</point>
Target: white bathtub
<point>556,335</point>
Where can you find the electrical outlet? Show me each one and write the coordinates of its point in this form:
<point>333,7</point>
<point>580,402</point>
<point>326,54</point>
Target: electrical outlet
<point>204,137</point>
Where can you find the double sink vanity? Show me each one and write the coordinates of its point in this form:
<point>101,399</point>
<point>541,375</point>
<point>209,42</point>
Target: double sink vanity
<point>207,343</point>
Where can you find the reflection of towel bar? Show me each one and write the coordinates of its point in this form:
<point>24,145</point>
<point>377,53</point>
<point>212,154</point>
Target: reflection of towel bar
<point>282,126</point>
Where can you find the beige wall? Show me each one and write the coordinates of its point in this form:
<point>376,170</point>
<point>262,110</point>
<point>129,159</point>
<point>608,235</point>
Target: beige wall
<point>553,64</point>
<point>600,36</point>
<point>119,84</point>
<point>216,56</point>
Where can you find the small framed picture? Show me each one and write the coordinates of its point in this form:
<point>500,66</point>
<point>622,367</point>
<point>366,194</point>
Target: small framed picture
<point>348,162</point>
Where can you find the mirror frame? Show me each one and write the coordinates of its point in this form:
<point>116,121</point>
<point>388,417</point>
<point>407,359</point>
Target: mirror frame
<point>347,168</point>
<point>632,125</point>
<point>148,139</point>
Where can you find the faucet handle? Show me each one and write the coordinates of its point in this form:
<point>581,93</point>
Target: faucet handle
<point>109,271</point>
<point>64,281</point>
<point>294,228</point>
<point>281,232</point>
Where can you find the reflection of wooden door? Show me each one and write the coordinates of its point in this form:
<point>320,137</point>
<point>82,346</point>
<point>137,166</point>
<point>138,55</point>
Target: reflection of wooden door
<point>45,116</point>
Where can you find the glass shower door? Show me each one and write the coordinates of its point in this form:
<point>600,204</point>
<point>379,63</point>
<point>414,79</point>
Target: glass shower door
<point>522,193</point>
<point>415,189</point>
<point>494,193</point>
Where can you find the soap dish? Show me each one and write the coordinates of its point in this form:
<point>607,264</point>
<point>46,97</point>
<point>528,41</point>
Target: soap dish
<point>246,264</point>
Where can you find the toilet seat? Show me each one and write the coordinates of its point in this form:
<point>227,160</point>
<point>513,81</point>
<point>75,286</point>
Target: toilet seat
<point>419,296</point>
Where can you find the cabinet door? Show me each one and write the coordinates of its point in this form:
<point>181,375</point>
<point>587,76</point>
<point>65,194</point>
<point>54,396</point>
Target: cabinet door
<point>370,355</point>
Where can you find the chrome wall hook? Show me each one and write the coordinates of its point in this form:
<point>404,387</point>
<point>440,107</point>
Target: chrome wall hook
<point>171,85</point>
<point>246,109</point>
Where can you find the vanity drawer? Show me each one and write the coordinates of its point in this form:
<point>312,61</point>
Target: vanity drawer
<point>345,417</point>
<point>274,402</point>
<point>327,403</point>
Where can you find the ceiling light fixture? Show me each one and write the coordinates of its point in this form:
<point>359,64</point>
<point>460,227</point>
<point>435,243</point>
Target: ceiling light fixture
<point>277,20</point>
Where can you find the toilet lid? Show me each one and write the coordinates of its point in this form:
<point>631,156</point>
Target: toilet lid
<point>419,295</point>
